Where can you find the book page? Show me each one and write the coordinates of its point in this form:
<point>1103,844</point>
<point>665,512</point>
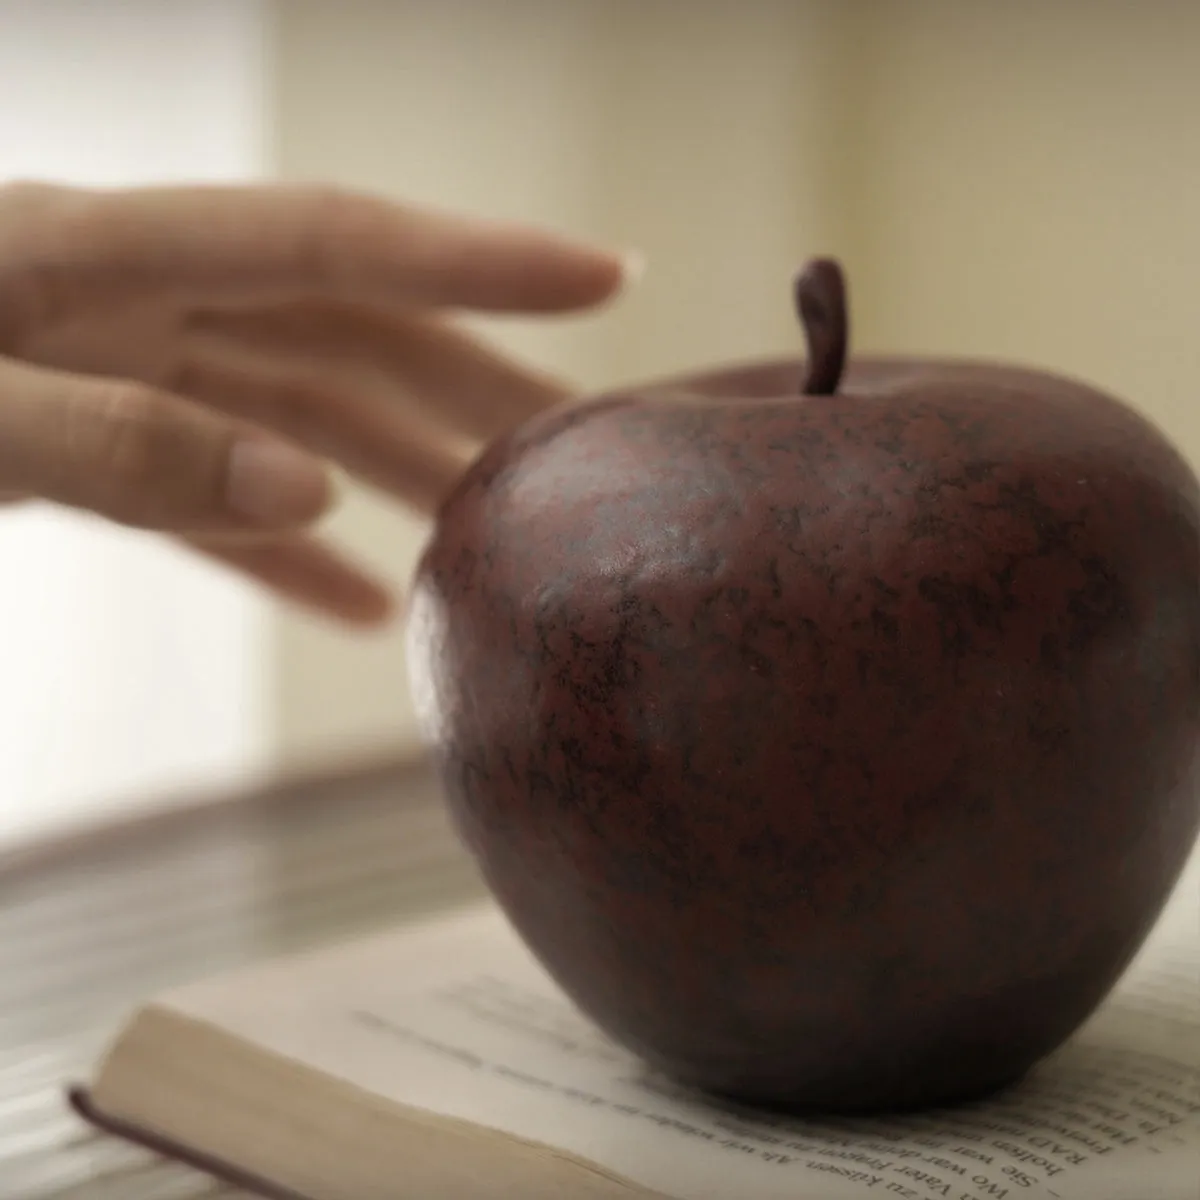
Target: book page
<point>458,1019</point>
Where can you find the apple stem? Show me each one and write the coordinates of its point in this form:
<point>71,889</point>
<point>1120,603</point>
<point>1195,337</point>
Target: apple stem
<point>820,294</point>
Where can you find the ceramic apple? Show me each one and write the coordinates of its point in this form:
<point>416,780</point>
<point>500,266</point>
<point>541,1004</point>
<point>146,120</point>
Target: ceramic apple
<point>827,728</point>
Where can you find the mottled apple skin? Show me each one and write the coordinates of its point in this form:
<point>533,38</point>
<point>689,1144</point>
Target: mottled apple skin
<point>830,751</point>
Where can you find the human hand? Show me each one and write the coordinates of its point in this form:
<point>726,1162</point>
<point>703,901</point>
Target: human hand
<point>192,360</point>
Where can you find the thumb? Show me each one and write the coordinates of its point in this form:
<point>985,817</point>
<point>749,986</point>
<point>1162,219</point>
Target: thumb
<point>148,458</point>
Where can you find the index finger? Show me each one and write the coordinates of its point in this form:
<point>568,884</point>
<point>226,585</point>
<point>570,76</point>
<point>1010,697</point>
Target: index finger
<point>252,243</point>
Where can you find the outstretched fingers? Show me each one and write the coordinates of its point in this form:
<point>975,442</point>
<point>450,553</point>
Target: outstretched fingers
<point>148,458</point>
<point>307,572</point>
<point>239,244</point>
<point>402,362</point>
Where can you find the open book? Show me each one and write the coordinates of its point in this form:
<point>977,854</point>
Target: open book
<point>438,1060</point>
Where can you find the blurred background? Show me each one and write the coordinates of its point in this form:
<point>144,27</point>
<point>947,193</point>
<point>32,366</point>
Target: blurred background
<point>1017,180</point>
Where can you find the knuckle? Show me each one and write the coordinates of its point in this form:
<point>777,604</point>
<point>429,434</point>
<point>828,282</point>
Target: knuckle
<point>130,435</point>
<point>34,274</point>
<point>18,195</point>
<point>334,220</point>
<point>24,207</point>
<point>120,429</point>
<point>318,236</point>
<point>29,210</point>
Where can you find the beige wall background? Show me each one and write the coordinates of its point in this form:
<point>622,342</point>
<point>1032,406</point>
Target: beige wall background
<point>1017,180</point>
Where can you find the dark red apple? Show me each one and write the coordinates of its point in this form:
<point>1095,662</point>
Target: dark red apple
<point>833,741</point>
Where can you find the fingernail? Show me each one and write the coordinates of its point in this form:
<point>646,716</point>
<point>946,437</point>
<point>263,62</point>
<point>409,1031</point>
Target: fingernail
<point>633,266</point>
<point>275,484</point>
